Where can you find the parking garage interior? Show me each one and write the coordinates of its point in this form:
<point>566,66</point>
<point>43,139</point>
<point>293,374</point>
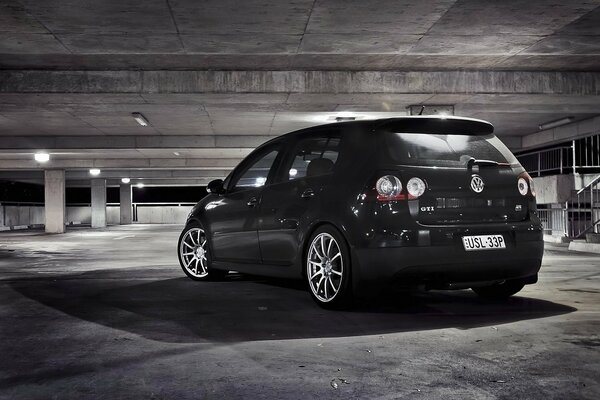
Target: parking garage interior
<point>115,115</point>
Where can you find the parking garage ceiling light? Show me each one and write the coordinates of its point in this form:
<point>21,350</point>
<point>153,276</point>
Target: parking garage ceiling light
<point>556,123</point>
<point>140,119</point>
<point>125,180</point>
<point>94,172</point>
<point>140,185</point>
<point>41,157</point>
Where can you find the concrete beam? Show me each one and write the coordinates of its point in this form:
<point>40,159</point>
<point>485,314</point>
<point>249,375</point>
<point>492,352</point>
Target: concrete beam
<point>183,182</point>
<point>512,142</point>
<point>99,142</point>
<point>214,81</point>
<point>121,173</point>
<point>587,127</point>
<point>120,163</point>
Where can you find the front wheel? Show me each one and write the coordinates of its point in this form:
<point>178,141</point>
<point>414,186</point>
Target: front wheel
<point>500,291</point>
<point>194,254</point>
<point>328,269</point>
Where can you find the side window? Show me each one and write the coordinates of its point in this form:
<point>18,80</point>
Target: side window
<point>314,156</point>
<point>256,173</point>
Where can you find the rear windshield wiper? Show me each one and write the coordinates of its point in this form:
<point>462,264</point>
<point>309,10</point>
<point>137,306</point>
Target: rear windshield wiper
<point>485,163</point>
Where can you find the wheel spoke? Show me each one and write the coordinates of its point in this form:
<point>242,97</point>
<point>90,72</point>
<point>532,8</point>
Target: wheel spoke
<point>188,254</point>
<point>329,246</point>
<point>191,247</point>
<point>325,289</point>
<point>317,273</point>
<point>333,271</point>
<point>314,247</point>
<point>332,285</point>
<point>319,284</point>
<point>336,256</point>
<point>323,245</point>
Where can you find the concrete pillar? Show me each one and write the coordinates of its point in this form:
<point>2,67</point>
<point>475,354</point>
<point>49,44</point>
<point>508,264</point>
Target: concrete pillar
<point>125,199</point>
<point>54,200</point>
<point>98,203</point>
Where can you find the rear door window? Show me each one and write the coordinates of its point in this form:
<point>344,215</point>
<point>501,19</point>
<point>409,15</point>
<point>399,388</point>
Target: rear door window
<point>313,156</point>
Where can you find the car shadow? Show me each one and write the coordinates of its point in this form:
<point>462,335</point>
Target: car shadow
<point>245,308</point>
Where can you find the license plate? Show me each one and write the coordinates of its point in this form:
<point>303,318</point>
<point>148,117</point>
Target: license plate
<point>483,242</point>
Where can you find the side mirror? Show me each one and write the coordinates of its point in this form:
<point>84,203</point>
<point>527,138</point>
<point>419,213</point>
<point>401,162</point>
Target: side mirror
<point>215,186</point>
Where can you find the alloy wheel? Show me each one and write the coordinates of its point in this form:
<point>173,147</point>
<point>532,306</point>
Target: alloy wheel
<point>325,267</point>
<point>193,251</point>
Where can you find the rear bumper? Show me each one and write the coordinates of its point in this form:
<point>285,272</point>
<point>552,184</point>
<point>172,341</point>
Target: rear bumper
<point>437,257</point>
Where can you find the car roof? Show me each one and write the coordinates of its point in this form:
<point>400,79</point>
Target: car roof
<point>419,122</point>
<point>433,124</point>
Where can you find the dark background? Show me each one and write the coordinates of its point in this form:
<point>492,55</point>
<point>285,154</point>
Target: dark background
<point>32,193</point>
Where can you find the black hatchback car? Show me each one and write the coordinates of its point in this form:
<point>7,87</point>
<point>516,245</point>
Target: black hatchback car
<point>426,201</point>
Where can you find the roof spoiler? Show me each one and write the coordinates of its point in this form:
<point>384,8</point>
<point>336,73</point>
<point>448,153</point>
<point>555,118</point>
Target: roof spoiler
<point>436,125</point>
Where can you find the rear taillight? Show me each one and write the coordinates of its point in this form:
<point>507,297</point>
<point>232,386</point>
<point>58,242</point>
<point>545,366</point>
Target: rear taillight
<point>389,188</point>
<point>525,184</point>
<point>415,187</point>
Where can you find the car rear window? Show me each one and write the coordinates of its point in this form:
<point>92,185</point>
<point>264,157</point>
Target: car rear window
<point>446,150</point>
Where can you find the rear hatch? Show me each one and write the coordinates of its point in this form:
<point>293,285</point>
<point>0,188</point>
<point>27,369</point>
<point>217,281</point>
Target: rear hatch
<point>470,179</point>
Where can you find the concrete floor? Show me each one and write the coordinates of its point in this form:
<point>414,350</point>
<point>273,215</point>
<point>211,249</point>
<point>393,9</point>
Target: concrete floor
<point>109,314</point>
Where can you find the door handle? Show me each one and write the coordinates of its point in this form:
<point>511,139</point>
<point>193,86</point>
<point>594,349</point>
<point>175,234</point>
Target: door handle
<point>252,202</point>
<point>308,193</point>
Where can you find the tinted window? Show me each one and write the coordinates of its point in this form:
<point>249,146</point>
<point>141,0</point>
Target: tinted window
<point>446,150</point>
<point>314,156</point>
<point>255,175</point>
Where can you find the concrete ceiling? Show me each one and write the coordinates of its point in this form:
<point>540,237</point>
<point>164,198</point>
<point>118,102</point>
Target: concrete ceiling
<point>300,34</point>
<point>217,78</point>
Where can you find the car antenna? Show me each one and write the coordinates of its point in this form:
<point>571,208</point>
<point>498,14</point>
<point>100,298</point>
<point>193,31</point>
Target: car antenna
<point>422,109</point>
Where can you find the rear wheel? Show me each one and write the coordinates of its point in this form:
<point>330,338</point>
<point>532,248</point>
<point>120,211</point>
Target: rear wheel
<point>327,263</point>
<point>500,291</point>
<point>194,254</point>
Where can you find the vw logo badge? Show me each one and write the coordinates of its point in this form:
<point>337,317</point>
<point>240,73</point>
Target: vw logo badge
<point>477,184</point>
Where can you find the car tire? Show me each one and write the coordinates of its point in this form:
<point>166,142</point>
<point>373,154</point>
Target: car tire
<point>327,268</point>
<point>193,251</point>
<point>499,291</point>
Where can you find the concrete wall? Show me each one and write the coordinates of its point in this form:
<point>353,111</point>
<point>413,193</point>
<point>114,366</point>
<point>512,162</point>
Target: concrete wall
<point>554,189</point>
<point>559,188</point>
<point>21,215</point>
<point>163,214</point>
<point>11,216</point>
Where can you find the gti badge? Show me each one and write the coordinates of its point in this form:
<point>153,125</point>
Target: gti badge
<point>476,184</point>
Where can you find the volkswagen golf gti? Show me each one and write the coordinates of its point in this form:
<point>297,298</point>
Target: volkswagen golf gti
<point>431,202</point>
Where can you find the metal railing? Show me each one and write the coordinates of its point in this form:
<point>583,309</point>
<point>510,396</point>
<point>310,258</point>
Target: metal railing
<point>555,221</point>
<point>579,216</point>
<point>585,213</point>
<point>544,162</point>
<point>581,156</point>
